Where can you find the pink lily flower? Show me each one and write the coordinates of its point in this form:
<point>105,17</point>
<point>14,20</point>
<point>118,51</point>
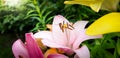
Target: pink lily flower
<point>67,36</point>
<point>28,50</point>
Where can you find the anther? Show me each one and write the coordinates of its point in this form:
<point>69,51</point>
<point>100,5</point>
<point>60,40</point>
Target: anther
<point>64,26</point>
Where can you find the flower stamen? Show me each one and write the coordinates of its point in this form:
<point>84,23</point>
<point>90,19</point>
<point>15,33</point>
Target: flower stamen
<point>64,26</point>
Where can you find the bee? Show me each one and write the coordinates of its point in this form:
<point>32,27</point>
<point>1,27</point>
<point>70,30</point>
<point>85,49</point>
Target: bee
<point>64,26</point>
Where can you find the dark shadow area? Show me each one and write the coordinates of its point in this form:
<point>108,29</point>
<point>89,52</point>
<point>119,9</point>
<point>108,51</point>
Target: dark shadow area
<point>6,41</point>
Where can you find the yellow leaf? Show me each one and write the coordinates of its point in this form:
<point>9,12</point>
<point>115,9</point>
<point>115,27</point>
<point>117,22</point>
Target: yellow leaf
<point>106,24</point>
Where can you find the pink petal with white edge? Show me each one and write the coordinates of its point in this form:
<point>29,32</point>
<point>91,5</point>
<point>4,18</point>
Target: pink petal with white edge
<point>47,39</point>
<point>33,48</point>
<point>81,36</point>
<point>83,52</point>
<point>19,49</point>
<point>57,56</point>
<point>59,19</point>
<point>44,35</point>
<point>80,25</point>
<point>52,44</point>
<point>59,36</point>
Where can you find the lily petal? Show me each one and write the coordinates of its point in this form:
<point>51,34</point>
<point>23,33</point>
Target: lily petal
<point>19,49</point>
<point>83,37</point>
<point>110,5</point>
<point>57,32</point>
<point>52,44</point>
<point>72,37</point>
<point>47,39</point>
<point>43,35</point>
<point>33,48</point>
<point>107,24</point>
<point>80,26</point>
<point>83,52</point>
<point>57,56</point>
<point>80,32</point>
<point>94,4</point>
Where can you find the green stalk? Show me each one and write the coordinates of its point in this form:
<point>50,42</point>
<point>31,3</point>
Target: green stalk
<point>39,14</point>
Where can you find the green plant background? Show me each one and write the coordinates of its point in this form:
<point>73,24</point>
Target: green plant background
<point>35,14</point>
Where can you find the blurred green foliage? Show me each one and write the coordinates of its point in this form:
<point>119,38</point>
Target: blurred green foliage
<point>13,18</point>
<point>107,47</point>
<point>35,14</point>
<point>6,41</point>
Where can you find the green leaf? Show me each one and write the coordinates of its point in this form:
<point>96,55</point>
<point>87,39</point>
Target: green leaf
<point>108,44</point>
<point>31,15</point>
<point>99,52</point>
<point>31,11</point>
<point>42,4</point>
<point>37,18</point>
<point>45,16</point>
<point>50,18</point>
<point>106,54</point>
<point>116,54</point>
<point>118,46</point>
<point>43,10</point>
